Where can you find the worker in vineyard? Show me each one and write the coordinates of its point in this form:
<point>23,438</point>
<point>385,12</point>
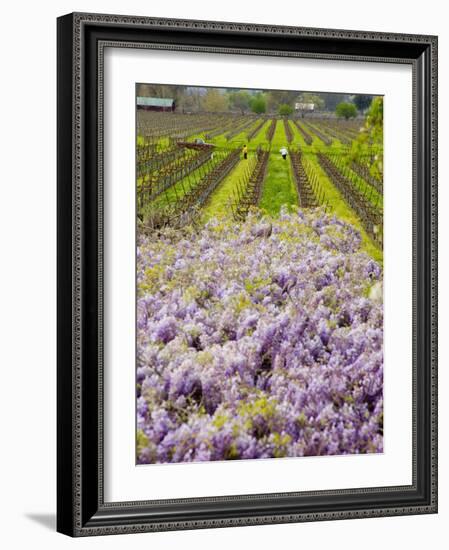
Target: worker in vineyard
<point>284,152</point>
<point>245,151</point>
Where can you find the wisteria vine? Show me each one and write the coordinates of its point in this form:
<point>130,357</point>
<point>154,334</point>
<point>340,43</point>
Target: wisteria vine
<point>257,340</point>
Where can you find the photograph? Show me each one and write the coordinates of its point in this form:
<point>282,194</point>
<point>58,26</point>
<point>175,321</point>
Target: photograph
<point>259,273</point>
<point>247,278</point>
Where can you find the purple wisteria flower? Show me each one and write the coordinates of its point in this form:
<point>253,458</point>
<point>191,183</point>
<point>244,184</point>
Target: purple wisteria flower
<point>258,344</point>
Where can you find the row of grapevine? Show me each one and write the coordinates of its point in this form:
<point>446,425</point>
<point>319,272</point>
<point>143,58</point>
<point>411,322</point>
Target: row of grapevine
<point>185,209</point>
<point>307,137</point>
<point>248,122</point>
<point>288,131</point>
<point>270,130</point>
<point>247,193</point>
<point>158,125</point>
<point>335,133</point>
<point>363,171</point>
<point>369,214</point>
<point>149,160</point>
<point>324,138</point>
<point>310,193</point>
<point>253,133</point>
<point>154,184</point>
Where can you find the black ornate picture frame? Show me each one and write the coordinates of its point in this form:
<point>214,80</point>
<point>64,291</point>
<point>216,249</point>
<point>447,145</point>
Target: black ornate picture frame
<point>81,509</point>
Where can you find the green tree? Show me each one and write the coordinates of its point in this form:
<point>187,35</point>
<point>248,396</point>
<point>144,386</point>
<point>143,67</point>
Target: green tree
<point>369,144</point>
<point>190,101</point>
<point>273,102</point>
<point>285,109</point>
<point>214,102</point>
<point>258,104</point>
<point>346,110</point>
<point>239,100</point>
<point>275,98</point>
<point>332,99</point>
<point>362,102</point>
<point>307,97</point>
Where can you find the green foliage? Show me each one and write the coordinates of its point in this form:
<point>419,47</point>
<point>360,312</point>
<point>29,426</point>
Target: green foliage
<point>375,119</point>
<point>285,109</point>
<point>346,110</point>
<point>258,104</point>
<point>240,100</point>
<point>281,442</point>
<point>369,144</point>
<point>142,441</point>
<point>220,420</point>
<point>302,420</point>
<point>263,406</point>
<point>275,98</point>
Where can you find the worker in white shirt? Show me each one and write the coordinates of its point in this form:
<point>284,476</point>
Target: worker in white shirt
<point>283,152</point>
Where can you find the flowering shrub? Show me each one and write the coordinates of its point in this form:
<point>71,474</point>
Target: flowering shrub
<point>258,340</point>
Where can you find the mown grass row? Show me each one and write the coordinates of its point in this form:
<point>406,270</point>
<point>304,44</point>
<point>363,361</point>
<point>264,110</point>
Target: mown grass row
<point>279,187</point>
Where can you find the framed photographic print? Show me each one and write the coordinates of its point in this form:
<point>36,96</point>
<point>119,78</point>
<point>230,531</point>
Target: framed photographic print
<point>247,271</point>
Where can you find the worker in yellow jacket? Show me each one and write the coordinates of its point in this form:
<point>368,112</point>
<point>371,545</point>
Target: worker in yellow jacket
<point>245,152</point>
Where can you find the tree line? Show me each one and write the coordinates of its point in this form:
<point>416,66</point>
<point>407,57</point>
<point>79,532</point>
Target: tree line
<point>219,100</point>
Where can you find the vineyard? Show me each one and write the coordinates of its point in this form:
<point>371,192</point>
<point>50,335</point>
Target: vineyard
<point>259,287</point>
<point>190,168</point>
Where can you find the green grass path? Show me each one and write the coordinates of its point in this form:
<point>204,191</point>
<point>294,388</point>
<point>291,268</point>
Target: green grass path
<point>279,186</point>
